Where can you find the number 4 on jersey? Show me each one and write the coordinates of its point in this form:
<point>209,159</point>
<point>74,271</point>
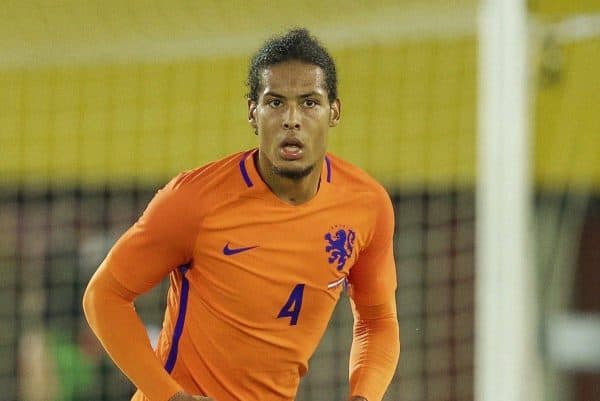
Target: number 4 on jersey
<point>293,305</point>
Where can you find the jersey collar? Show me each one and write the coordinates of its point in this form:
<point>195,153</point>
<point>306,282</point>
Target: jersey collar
<point>251,178</point>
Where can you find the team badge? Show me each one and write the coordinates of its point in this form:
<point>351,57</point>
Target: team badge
<point>340,243</point>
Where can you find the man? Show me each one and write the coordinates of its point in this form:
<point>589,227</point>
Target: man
<point>258,247</point>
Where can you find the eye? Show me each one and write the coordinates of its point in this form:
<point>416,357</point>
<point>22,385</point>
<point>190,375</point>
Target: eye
<point>310,103</point>
<point>275,103</point>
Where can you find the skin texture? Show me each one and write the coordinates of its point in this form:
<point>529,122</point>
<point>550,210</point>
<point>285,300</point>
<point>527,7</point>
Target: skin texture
<point>292,104</point>
<point>186,397</point>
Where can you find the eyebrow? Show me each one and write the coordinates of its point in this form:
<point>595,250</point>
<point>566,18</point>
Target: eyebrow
<point>274,94</point>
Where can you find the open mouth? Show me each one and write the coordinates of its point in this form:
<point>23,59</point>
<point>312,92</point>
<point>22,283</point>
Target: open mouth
<point>291,148</point>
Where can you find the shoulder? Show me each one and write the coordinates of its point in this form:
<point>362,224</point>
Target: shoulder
<point>223,173</point>
<point>348,177</point>
<point>197,190</point>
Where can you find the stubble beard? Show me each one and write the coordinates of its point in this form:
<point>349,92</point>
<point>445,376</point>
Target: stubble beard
<point>293,174</point>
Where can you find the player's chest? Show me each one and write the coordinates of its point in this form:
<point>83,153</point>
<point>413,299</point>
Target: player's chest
<point>314,247</point>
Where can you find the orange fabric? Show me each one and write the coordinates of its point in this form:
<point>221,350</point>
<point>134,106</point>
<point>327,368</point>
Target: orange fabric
<point>254,280</point>
<point>375,349</point>
<point>109,309</point>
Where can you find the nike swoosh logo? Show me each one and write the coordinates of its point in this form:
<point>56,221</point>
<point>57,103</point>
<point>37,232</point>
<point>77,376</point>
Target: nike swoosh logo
<point>232,251</point>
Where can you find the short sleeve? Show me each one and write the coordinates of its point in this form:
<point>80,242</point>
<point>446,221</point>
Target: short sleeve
<point>161,240</point>
<point>373,277</point>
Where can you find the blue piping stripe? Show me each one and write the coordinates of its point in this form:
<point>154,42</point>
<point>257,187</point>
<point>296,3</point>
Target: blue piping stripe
<point>183,300</point>
<point>244,172</point>
<point>328,164</point>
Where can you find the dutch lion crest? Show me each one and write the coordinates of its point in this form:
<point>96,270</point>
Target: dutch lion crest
<point>340,246</point>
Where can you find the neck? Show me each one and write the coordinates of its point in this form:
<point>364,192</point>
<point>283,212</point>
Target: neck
<point>289,190</point>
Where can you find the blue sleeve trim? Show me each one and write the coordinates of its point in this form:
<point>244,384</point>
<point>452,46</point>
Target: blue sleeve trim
<point>183,300</point>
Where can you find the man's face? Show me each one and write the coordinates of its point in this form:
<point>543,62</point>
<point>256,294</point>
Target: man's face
<point>292,117</point>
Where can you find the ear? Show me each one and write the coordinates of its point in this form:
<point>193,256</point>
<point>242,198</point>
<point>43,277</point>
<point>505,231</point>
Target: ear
<point>251,113</point>
<point>334,113</point>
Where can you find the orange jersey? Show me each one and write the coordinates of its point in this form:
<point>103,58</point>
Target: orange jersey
<point>254,280</point>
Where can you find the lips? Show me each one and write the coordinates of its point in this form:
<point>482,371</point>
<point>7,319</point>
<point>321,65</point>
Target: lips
<point>291,148</point>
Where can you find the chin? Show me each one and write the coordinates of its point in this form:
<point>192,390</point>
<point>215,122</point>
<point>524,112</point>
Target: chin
<point>293,173</point>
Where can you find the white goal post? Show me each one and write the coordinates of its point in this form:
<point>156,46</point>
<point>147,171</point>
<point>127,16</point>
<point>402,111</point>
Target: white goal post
<point>507,364</point>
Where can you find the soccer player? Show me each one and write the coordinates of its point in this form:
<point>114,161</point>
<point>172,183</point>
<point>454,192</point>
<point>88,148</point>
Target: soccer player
<point>258,247</point>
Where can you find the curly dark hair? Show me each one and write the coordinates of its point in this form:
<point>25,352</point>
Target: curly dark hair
<point>296,44</point>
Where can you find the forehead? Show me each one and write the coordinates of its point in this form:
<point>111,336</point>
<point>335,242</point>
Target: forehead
<point>292,77</point>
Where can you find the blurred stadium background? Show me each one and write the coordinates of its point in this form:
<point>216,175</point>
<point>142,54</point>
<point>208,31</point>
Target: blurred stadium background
<point>101,102</point>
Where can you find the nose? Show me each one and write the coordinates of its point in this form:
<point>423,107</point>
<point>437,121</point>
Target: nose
<point>291,119</point>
